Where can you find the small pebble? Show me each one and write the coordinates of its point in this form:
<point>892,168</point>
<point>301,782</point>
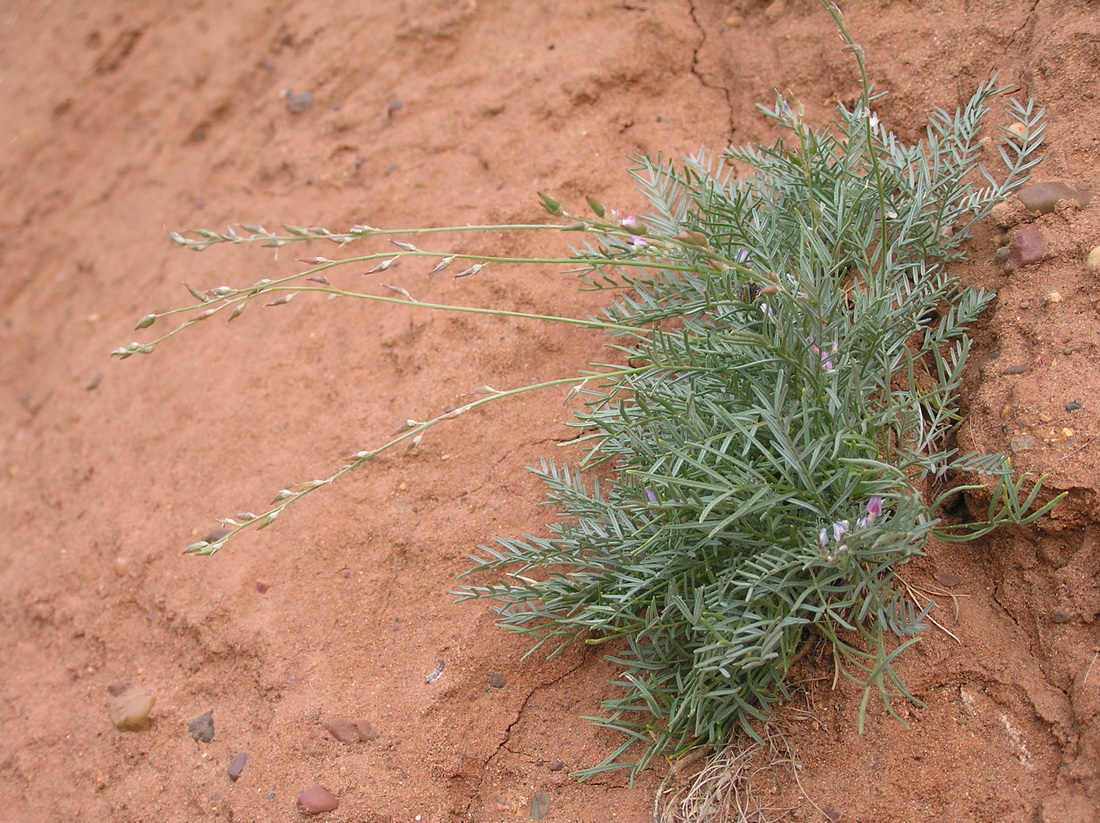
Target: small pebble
<point>298,103</point>
<point>948,580</point>
<point>556,766</point>
<point>540,804</point>
<point>1073,406</point>
<point>343,729</point>
<point>1027,248</point>
<point>202,727</point>
<point>317,800</point>
<point>1022,443</point>
<point>262,586</point>
<point>129,709</point>
<point>1093,260</point>
<point>237,765</point>
<point>496,681</point>
<point>366,731</point>
<point>1018,369</point>
<point>216,535</point>
<point>1059,616</point>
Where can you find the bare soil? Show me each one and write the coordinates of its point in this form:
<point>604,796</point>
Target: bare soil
<point>123,119</point>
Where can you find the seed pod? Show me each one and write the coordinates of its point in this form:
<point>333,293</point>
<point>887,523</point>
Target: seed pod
<point>596,206</point>
<point>441,265</point>
<point>552,206</point>
<point>145,322</point>
<point>198,295</point>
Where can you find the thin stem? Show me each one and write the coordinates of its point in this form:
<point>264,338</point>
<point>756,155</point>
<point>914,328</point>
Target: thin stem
<point>414,432</point>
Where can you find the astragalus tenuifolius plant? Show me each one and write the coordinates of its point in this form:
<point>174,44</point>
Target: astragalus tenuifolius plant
<point>781,436</point>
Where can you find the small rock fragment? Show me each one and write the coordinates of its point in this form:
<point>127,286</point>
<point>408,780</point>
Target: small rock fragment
<point>262,586</point>
<point>1042,197</point>
<point>1060,616</point>
<point>317,800</point>
<point>129,709</point>
<point>202,727</point>
<point>556,766</point>
<point>1020,368</point>
<point>436,673</point>
<point>948,580</point>
<point>366,731</point>
<point>237,766</point>
<point>1093,260</point>
<point>1022,443</point>
<point>540,804</point>
<point>343,729</point>
<point>298,103</point>
<point>1073,406</point>
<point>1028,247</point>
<point>496,680</point>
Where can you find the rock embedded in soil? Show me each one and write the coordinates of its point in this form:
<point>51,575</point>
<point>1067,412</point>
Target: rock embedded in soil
<point>496,681</point>
<point>1093,260</point>
<point>129,707</point>
<point>540,805</point>
<point>237,766</point>
<point>317,800</point>
<point>1043,197</point>
<point>1027,248</point>
<point>347,730</point>
<point>202,727</point>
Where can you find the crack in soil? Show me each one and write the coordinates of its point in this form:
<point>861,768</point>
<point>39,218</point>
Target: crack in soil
<point>703,81</point>
<point>475,795</point>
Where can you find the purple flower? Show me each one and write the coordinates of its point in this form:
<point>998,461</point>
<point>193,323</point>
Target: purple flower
<point>651,496</point>
<point>874,511</point>
<point>629,222</point>
<point>638,241</point>
<point>874,508</point>
<point>826,356</point>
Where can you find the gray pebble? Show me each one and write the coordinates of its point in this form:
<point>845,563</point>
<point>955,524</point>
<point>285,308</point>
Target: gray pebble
<point>202,727</point>
<point>237,766</point>
<point>298,103</point>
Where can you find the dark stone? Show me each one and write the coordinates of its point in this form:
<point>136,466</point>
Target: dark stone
<point>202,727</point>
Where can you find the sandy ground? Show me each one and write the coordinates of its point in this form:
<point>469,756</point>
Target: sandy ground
<point>121,120</point>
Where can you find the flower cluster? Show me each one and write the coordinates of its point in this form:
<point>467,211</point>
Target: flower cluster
<point>839,531</point>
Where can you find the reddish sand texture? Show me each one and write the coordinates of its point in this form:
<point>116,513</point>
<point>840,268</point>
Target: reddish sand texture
<point>121,120</point>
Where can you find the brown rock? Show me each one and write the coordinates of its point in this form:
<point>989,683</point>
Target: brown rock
<point>317,800</point>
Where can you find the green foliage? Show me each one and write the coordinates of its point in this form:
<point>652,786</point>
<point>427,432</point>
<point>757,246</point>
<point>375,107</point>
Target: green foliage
<point>773,455</point>
<point>795,346</point>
